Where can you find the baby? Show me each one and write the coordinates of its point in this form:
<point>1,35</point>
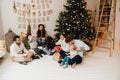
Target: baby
<point>69,56</point>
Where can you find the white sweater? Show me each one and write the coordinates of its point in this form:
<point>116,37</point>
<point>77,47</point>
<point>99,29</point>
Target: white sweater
<point>63,45</point>
<point>17,51</point>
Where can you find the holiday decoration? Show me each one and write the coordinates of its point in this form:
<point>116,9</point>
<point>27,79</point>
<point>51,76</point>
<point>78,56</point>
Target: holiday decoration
<point>14,7</point>
<point>9,39</point>
<point>74,21</point>
<point>29,29</point>
<point>29,11</point>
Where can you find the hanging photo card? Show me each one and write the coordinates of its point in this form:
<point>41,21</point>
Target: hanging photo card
<point>34,26</point>
<point>33,7</point>
<point>33,20</point>
<point>19,12</point>
<point>32,1</point>
<point>39,13</point>
<point>47,19</point>
<point>50,1</point>
<point>28,20</point>
<point>43,19</point>
<point>18,5</point>
<point>24,13</point>
<point>39,6</point>
<point>38,1</point>
<point>28,7</point>
<point>44,13</point>
<point>33,14</point>
<point>24,6</point>
<point>46,1</point>
<point>49,12</point>
<point>24,19</point>
<point>19,19</point>
<point>43,5</point>
<point>19,26</point>
<point>39,20</point>
<point>47,6</point>
<point>24,26</point>
<point>42,1</point>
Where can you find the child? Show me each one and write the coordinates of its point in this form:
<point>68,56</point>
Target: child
<point>69,56</point>
<point>32,41</point>
<point>50,44</point>
<point>24,39</point>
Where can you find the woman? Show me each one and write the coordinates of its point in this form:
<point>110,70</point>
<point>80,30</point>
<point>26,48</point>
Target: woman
<point>41,35</point>
<point>64,46</point>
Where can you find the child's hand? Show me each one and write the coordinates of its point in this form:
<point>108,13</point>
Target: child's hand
<point>68,54</point>
<point>29,37</point>
<point>79,49</point>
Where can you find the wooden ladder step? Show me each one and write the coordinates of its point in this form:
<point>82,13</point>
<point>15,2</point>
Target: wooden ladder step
<point>103,47</point>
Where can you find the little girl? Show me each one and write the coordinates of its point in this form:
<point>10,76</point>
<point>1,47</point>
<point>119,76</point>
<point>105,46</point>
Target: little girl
<point>69,56</point>
<point>32,41</point>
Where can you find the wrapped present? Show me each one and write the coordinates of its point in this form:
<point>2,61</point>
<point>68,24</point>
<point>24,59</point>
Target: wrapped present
<point>2,48</point>
<point>56,56</point>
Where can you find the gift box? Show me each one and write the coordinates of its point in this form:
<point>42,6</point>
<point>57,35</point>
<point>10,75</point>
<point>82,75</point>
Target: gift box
<point>56,56</point>
<point>2,48</point>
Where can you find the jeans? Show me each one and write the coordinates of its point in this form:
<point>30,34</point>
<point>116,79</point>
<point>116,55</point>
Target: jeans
<point>41,42</point>
<point>62,54</point>
<point>66,59</point>
<point>49,52</point>
<point>77,59</point>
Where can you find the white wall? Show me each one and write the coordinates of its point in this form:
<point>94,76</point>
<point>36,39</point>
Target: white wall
<point>1,25</point>
<point>9,19</point>
<point>117,25</point>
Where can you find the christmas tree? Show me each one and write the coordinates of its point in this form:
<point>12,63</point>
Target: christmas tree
<point>29,29</point>
<point>75,21</point>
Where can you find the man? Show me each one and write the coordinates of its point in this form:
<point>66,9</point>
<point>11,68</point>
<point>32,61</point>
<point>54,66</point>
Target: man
<point>19,53</point>
<point>80,48</point>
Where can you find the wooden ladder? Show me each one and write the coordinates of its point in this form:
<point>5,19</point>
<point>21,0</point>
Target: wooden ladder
<point>106,25</point>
